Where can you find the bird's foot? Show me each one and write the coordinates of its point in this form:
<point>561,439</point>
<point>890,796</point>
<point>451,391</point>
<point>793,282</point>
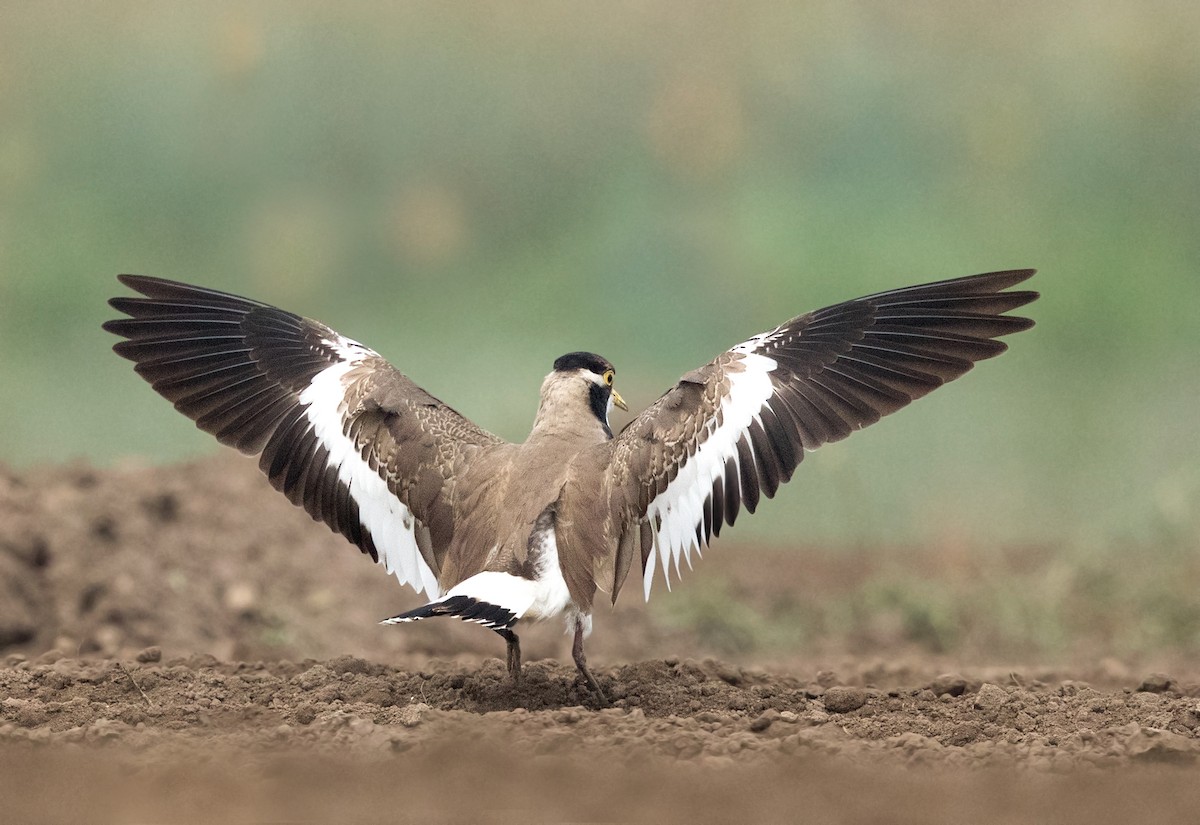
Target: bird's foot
<point>594,686</point>
<point>581,664</point>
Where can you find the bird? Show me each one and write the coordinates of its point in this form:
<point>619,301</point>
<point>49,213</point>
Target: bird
<point>502,534</point>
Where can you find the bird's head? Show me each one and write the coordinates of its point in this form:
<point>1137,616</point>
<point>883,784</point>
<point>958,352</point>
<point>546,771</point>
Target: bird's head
<point>581,381</point>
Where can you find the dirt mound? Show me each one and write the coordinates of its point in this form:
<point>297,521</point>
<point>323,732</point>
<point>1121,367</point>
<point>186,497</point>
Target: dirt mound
<point>206,557</point>
<point>183,645</point>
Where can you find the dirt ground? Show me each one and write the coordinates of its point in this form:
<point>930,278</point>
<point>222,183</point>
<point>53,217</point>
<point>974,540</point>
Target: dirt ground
<point>181,645</point>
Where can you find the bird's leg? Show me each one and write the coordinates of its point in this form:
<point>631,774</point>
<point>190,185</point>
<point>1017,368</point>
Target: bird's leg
<point>513,659</point>
<point>581,663</point>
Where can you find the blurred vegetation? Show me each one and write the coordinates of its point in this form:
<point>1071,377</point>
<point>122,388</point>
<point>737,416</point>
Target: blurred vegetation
<point>474,188</point>
<point>1046,603</point>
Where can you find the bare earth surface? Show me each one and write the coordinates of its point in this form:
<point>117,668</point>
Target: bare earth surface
<point>181,645</point>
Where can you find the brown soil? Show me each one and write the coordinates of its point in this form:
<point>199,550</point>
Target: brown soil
<point>183,645</point>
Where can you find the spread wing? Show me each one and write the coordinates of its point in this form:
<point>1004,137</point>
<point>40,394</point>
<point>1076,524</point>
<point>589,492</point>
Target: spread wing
<point>338,430</point>
<point>732,431</point>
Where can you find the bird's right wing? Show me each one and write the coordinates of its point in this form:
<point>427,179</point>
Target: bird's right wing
<point>736,428</point>
<point>338,429</point>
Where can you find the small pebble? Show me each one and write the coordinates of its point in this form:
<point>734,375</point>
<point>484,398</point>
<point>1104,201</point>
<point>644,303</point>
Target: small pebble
<point>760,724</point>
<point>990,697</point>
<point>1155,683</point>
<point>410,715</point>
<point>729,674</point>
<point>949,683</point>
<point>841,699</point>
<point>764,721</point>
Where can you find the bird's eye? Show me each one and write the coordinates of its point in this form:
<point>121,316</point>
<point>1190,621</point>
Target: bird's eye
<point>608,377</point>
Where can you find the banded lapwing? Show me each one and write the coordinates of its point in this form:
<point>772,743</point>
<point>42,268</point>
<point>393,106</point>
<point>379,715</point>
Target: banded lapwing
<point>498,533</point>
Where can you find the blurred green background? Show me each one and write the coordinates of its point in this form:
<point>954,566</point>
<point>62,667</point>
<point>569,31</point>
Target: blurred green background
<point>474,188</point>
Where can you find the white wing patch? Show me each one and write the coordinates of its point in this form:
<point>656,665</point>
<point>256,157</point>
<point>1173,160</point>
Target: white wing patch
<point>390,522</point>
<point>681,505</point>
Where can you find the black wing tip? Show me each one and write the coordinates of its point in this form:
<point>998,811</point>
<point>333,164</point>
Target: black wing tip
<point>121,304</point>
<point>148,285</point>
<point>1004,278</point>
<point>979,286</point>
<point>115,326</point>
<point>1019,322</point>
<point>165,289</point>
<point>1011,278</point>
<point>983,283</point>
<point>1019,275</point>
<point>1019,298</point>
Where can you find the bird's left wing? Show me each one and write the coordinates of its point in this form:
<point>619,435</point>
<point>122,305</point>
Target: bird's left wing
<point>735,429</point>
<point>338,429</point>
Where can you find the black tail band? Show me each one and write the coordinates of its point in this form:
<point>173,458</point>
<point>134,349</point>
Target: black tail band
<point>463,607</point>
